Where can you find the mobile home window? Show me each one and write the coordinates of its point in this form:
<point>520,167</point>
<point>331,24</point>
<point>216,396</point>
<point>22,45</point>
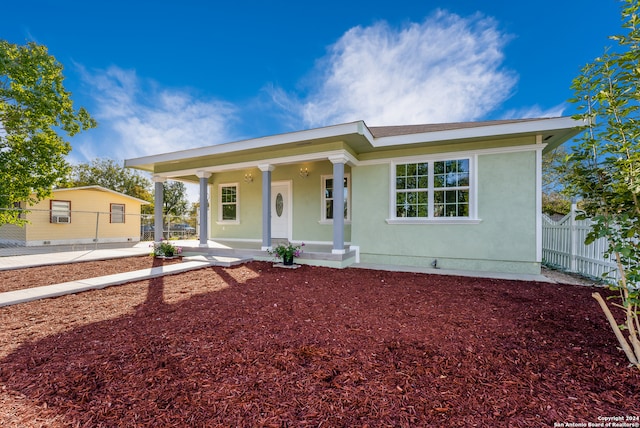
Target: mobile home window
<point>117,213</point>
<point>60,211</point>
<point>18,206</point>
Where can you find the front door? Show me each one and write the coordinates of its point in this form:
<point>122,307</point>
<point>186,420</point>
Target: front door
<point>281,211</point>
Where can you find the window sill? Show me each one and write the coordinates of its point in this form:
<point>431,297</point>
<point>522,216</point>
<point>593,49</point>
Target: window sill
<point>228,223</point>
<point>441,220</point>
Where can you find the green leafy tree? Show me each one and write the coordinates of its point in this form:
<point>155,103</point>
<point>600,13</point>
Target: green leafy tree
<point>194,211</point>
<point>555,203</point>
<point>604,169</point>
<point>36,113</point>
<point>553,181</point>
<point>108,173</point>
<point>175,198</point>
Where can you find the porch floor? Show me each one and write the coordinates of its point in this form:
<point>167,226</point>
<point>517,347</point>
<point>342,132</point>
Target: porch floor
<point>311,254</point>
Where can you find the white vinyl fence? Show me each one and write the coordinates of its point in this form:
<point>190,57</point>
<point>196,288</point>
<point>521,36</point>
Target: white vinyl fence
<point>563,247</point>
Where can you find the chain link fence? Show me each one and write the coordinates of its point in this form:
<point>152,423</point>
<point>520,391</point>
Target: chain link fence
<point>54,228</point>
<point>174,227</point>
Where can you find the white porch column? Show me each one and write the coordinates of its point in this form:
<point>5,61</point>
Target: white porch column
<point>338,203</point>
<point>204,206</point>
<point>158,202</point>
<point>266,205</point>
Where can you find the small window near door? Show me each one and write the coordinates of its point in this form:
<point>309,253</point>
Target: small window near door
<point>330,192</point>
<point>228,203</point>
<point>117,213</point>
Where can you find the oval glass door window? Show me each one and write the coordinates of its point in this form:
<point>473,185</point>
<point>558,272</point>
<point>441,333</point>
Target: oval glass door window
<point>279,204</point>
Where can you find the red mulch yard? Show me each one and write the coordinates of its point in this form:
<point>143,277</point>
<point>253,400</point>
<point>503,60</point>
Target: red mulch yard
<point>256,345</point>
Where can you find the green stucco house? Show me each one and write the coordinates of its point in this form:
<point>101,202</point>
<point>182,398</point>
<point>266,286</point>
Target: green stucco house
<point>457,196</point>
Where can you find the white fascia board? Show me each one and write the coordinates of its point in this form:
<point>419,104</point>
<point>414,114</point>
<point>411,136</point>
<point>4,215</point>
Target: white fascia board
<point>256,143</point>
<point>534,126</point>
<point>454,155</point>
<point>363,130</point>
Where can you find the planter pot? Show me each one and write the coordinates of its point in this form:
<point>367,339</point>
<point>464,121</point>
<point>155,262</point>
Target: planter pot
<point>287,260</point>
<point>168,254</point>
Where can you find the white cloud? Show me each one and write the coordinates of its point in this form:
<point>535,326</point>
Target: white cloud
<point>137,118</point>
<point>536,111</point>
<point>445,69</point>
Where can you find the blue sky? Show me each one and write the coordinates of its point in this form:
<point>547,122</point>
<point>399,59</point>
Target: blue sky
<point>164,75</point>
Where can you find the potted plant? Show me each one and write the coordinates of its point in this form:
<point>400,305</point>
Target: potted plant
<point>287,252</point>
<point>165,249</point>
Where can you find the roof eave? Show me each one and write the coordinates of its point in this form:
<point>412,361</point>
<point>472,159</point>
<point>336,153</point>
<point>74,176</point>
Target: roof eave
<point>147,162</point>
<point>529,127</point>
<point>101,189</point>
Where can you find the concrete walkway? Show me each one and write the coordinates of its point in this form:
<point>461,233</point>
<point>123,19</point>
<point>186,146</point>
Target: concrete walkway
<point>62,257</point>
<point>471,274</point>
<point>72,287</point>
<point>190,262</point>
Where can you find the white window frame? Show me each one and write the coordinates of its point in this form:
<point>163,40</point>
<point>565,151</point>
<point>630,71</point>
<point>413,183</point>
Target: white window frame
<point>237,203</point>
<point>472,218</point>
<point>59,211</point>
<point>113,213</point>
<point>323,204</point>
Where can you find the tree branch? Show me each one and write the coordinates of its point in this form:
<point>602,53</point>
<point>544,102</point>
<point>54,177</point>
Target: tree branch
<point>616,330</point>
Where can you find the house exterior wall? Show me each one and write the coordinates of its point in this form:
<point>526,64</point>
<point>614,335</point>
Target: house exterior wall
<point>90,218</point>
<point>504,240</point>
<point>249,224</point>
<point>306,198</point>
<point>10,234</point>
<point>500,230</point>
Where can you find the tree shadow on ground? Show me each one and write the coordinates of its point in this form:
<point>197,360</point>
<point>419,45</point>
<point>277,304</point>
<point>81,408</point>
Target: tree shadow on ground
<point>155,291</point>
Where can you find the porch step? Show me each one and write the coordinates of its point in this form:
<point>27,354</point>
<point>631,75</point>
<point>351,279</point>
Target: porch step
<point>224,261</point>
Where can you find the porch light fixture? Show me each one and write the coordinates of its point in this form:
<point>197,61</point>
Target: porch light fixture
<point>248,178</point>
<point>304,172</point>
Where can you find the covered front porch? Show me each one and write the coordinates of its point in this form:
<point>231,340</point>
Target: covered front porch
<point>236,203</point>
<point>269,187</point>
<point>313,254</point>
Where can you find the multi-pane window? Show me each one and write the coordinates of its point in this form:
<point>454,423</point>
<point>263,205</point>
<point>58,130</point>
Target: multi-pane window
<point>228,203</point>
<point>412,190</point>
<point>432,189</point>
<point>117,213</point>
<point>330,192</point>
<point>451,188</point>
<point>60,211</point>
